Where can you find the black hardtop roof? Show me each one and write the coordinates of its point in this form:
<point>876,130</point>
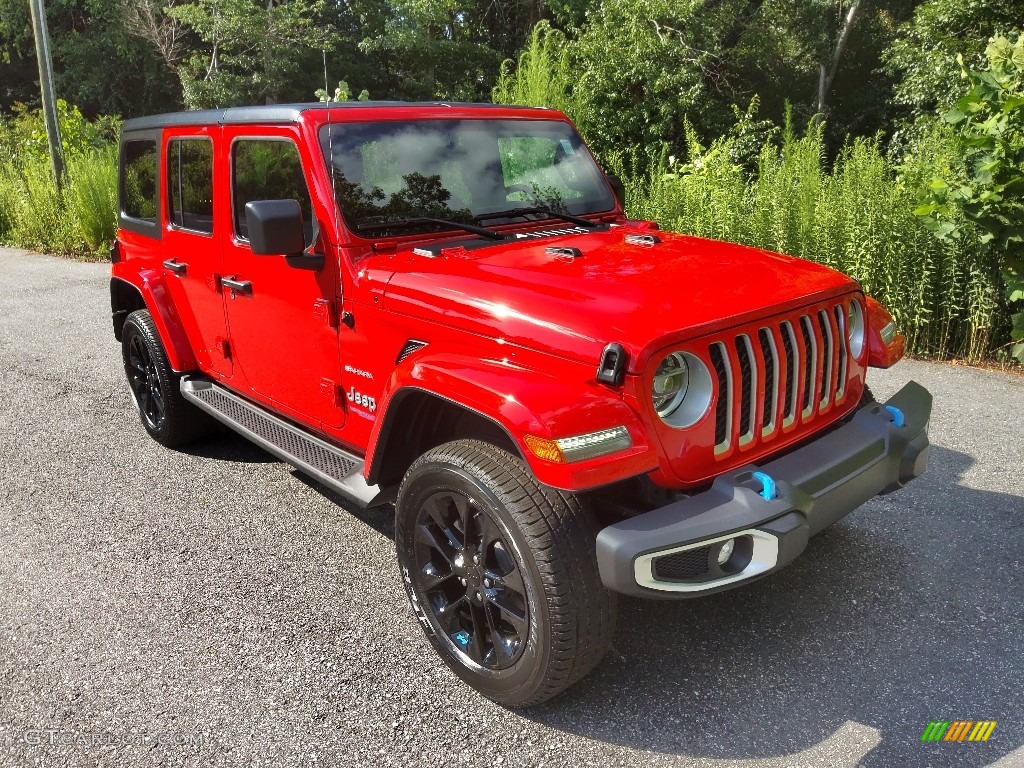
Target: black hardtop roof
<point>283,113</point>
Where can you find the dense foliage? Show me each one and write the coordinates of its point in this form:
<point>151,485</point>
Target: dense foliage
<point>842,141</point>
<point>986,187</point>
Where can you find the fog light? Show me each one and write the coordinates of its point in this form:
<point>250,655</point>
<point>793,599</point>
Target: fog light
<point>726,551</point>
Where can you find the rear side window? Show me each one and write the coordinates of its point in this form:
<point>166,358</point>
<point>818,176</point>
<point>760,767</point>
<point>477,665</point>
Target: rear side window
<point>190,184</point>
<point>265,169</point>
<point>139,180</point>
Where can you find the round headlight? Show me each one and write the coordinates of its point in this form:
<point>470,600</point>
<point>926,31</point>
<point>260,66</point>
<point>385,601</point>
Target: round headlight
<point>670,382</point>
<point>855,328</point>
<point>681,390</point>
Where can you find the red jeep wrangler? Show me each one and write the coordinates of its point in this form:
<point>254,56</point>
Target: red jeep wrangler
<point>445,306</point>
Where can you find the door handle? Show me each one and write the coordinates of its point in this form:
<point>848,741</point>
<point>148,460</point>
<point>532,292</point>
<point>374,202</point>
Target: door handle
<point>176,266</point>
<point>236,286</point>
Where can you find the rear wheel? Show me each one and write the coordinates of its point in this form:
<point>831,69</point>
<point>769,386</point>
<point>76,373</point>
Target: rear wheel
<point>167,416</point>
<point>502,573</point>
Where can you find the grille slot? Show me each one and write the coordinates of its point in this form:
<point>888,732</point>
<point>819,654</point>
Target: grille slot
<point>792,360</point>
<point>688,564</point>
<point>811,366</point>
<point>800,375</point>
<point>723,407</point>
<point>770,405</point>
<point>748,388</point>
<point>825,383</point>
<point>841,346</point>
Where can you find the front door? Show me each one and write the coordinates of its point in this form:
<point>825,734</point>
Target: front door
<point>283,338</point>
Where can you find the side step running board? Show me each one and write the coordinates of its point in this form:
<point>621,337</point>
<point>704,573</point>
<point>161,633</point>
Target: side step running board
<point>338,470</point>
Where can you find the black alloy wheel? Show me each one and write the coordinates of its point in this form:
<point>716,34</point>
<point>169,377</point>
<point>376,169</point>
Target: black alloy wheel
<point>145,383</point>
<point>167,416</point>
<point>474,588</point>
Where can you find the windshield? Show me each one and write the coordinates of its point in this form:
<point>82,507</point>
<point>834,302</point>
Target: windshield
<point>459,170</point>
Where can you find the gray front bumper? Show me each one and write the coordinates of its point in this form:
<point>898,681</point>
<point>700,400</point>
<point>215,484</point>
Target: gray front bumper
<point>816,485</point>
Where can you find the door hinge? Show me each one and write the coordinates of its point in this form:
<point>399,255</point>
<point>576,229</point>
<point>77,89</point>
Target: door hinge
<point>331,390</point>
<point>323,309</point>
<point>225,348</point>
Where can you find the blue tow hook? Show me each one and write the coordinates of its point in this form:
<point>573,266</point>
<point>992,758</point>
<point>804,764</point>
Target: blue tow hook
<point>462,638</point>
<point>895,415</point>
<point>767,486</point>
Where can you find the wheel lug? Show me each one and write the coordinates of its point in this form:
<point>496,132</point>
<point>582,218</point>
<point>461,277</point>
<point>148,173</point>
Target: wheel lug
<point>479,596</point>
<point>487,583</point>
<point>463,581</point>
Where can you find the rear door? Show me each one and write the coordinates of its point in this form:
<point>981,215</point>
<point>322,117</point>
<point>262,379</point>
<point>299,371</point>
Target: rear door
<point>283,334</point>
<point>191,256</point>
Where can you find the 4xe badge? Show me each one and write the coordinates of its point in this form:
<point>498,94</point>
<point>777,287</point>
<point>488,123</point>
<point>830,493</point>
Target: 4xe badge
<point>358,398</point>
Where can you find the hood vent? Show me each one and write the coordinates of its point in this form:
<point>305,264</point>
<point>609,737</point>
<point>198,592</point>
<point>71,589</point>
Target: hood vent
<point>642,239</point>
<point>552,232</point>
<point>566,254</point>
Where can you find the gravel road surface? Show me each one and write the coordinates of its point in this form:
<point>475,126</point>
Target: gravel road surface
<point>213,607</point>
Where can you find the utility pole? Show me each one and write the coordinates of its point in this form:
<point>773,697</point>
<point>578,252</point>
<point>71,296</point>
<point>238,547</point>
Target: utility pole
<point>46,86</point>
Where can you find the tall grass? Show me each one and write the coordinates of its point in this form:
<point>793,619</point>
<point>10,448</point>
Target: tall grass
<point>78,221</point>
<point>93,196</point>
<point>855,216</point>
<point>778,190</point>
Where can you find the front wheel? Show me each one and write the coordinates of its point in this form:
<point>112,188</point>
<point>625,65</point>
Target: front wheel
<point>501,573</point>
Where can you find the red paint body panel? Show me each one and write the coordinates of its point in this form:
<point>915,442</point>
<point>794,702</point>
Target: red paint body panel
<point>152,286</point>
<point>643,297</point>
<point>512,333</point>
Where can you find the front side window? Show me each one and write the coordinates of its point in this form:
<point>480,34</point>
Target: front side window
<point>460,170</point>
<point>267,169</point>
<point>190,184</point>
<point>138,180</point>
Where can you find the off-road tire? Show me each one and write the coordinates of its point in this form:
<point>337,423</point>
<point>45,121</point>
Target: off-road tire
<point>174,421</point>
<point>570,614</point>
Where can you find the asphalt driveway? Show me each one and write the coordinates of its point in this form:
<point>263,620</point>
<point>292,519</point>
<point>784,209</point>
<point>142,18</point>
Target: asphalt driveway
<point>213,607</point>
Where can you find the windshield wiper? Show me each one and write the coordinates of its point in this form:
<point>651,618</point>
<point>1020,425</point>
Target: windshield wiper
<point>516,212</point>
<point>418,221</point>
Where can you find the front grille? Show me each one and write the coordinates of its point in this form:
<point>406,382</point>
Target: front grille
<point>794,370</point>
<point>688,564</point>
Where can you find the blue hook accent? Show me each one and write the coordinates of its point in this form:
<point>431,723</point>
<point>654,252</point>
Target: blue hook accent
<point>767,486</point>
<point>461,637</point>
<point>895,415</point>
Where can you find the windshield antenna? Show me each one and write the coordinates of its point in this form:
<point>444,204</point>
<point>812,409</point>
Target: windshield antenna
<point>330,150</point>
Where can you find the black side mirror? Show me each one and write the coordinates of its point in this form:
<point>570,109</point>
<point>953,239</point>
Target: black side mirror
<point>275,227</point>
<point>618,188</point>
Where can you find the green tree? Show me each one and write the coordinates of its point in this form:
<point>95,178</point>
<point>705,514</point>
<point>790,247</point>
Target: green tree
<point>433,48</point>
<point>239,59</point>
<point>98,64</point>
<point>989,190</point>
<point>923,57</point>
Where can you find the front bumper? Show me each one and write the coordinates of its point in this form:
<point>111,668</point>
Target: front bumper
<point>672,552</point>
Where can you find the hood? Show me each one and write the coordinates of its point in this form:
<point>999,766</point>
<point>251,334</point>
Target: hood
<point>641,296</point>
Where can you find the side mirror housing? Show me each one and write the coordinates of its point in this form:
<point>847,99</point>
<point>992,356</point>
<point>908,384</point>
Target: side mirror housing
<point>618,188</point>
<point>275,227</point>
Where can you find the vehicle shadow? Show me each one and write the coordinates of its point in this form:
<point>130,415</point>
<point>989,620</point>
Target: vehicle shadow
<point>907,611</point>
<point>381,519</point>
<point>227,445</point>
